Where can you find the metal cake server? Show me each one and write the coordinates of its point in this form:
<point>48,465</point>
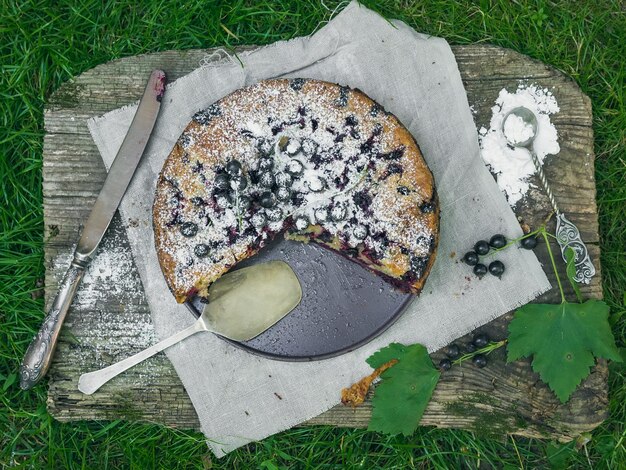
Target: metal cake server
<point>243,304</point>
<point>39,354</point>
<point>567,234</point>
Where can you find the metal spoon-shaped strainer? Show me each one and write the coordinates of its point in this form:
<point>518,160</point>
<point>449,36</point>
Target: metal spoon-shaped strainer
<point>567,234</point>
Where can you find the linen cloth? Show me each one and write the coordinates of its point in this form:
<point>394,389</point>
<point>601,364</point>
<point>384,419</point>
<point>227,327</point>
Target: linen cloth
<point>415,77</point>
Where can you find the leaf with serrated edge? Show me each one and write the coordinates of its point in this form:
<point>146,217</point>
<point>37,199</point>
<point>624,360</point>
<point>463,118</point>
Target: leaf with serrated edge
<point>400,399</point>
<point>386,354</point>
<point>563,340</point>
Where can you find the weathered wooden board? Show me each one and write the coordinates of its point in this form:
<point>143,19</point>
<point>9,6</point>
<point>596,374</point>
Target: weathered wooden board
<point>105,325</point>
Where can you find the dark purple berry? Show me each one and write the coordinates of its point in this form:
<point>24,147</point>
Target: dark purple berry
<point>201,250</point>
<point>221,182</point>
<point>274,214</point>
<point>309,147</point>
<point>453,351</point>
<point>244,203</point>
<point>481,340</point>
<point>471,258</point>
<point>297,83</point>
<point>529,243</point>
<point>363,200</point>
<point>301,223</point>
<point>403,190</point>
<point>283,179</point>
<point>359,232</point>
<point>267,179</point>
<point>239,183</point>
<point>295,168</point>
<point>445,364</point>
<point>266,164</point>
<point>479,360</point>
<point>496,268</point>
<point>205,116</point>
<point>265,148</point>
<point>338,213</point>
<point>267,199</point>
<point>188,229</point>
<point>470,348</point>
<point>293,147</point>
<point>394,168</point>
<point>498,241</point>
<point>481,247</point>
<point>321,214</point>
<point>480,270</point>
<point>283,194</point>
<point>258,220</point>
<point>233,168</point>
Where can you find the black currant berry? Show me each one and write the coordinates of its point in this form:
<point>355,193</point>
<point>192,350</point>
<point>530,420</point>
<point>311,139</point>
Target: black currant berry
<point>221,182</point>
<point>266,179</point>
<point>481,247</point>
<point>201,250</point>
<point>338,213</point>
<point>283,179</point>
<point>239,183</point>
<point>244,203</point>
<point>275,214</point>
<point>258,220</point>
<point>471,258</point>
<point>188,229</point>
<point>295,168</point>
<point>528,243</point>
<point>453,351</point>
<point>480,270</point>
<point>283,194</point>
<point>498,241</point>
<point>470,348</point>
<point>233,168</point>
<point>267,199</point>
<point>360,232</point>
<point>496,268</point>
<point>321,214</point>
<point>479,360</point>
<point>480,340</point>
<point>266,164</point>
<point>445,364</point>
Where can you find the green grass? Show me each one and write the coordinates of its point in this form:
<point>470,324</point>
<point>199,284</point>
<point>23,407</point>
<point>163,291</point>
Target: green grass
<point>43,44</point>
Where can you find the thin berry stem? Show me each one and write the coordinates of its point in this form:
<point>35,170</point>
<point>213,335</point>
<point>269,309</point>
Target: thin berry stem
<point>494,251</point>
<point>556,273</point>
<point>486,350</point>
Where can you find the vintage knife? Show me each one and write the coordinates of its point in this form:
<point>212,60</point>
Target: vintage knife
<point>39,354</point>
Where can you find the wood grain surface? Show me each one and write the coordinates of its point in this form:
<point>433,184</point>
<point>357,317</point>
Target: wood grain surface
<point>501,398</point>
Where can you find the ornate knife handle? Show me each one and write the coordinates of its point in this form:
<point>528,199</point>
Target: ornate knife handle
<point>39,354</point>
<point>568,236</point>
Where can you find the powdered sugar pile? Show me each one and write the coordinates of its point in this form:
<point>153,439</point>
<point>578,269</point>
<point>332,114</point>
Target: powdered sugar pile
<point>512,166</point>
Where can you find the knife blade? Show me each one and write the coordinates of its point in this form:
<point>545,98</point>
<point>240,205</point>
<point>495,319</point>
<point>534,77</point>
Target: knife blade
<point>39,353</point>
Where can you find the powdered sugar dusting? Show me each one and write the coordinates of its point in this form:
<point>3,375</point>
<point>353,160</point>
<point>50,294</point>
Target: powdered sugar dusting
<point>307,159</point>
<point>109,327</point>
<point>512,166</point>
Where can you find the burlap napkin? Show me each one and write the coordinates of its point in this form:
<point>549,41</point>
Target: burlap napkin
<point>415,77</point>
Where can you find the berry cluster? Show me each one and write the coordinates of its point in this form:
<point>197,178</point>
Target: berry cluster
<point>481,248</point>
<point>473,350</point>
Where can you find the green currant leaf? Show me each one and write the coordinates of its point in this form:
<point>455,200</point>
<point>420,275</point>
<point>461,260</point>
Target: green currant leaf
<point>570,256</point>
<point>563,340</point>
<point>402,396</point>
<point>386,354</point>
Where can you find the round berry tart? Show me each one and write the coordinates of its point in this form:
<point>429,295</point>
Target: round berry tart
<point>312,160</point>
